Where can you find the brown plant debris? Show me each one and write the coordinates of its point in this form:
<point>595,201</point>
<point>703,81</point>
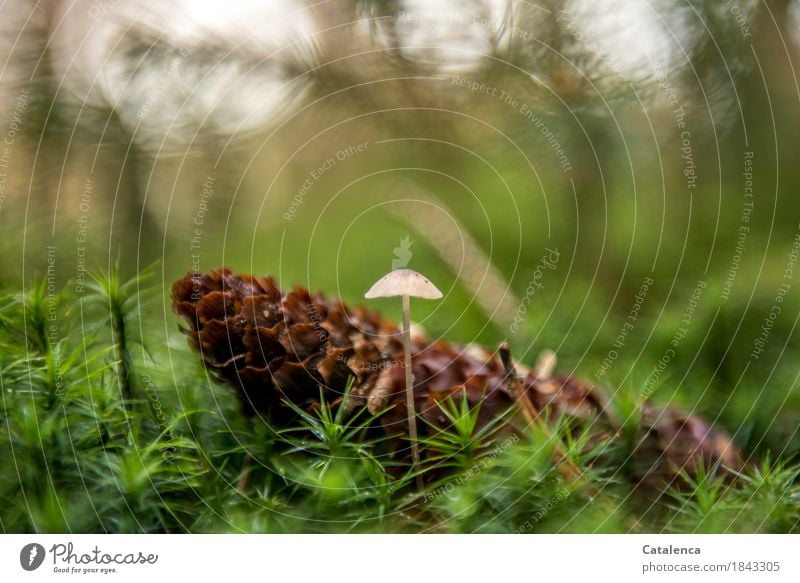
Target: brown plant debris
<point>273,346</point>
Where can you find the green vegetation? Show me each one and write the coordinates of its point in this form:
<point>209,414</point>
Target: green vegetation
<point>112,434</point>
<point>643,225</point>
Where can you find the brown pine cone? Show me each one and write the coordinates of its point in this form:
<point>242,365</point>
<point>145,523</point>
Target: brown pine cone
<point>671,440</point>
<point>273,347</point>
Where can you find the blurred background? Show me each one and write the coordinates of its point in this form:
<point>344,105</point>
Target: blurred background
<point>613,180</point>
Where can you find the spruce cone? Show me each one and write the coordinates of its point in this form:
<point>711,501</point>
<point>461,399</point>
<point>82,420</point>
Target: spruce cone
<point>273,347</point>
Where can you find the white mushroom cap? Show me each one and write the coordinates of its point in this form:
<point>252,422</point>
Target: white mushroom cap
<point>404,282</point>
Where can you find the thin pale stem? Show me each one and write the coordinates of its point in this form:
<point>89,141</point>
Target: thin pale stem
<point>244,476</point>
<point>412,412</point>
<point>565,466</point>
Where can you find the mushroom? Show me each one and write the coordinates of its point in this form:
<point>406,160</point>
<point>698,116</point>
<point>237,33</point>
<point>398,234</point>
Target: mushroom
<point>407,283</point>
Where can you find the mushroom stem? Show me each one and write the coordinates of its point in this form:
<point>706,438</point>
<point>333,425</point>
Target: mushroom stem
<point>407,283</point>
<point>412,412</point>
